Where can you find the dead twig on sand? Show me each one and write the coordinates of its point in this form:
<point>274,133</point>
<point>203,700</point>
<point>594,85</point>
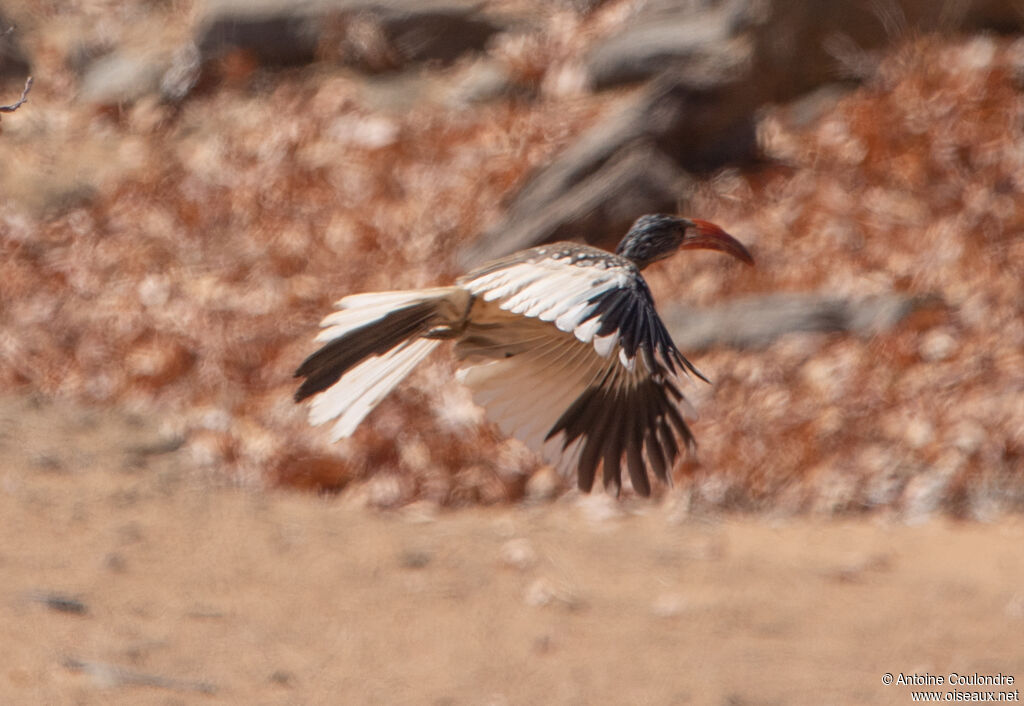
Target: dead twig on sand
<point>24,97</point>
<point>60,602</point>
<point>112,675</point>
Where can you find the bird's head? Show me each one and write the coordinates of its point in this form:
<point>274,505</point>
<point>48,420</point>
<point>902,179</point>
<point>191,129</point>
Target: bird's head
<point>655,237</point>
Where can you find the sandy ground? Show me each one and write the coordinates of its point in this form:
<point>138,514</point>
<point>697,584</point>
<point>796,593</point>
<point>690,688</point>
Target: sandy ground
<point>126,577</point>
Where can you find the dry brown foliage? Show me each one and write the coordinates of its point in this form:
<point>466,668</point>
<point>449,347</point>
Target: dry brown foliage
<point>912,183</point>
<point>176,261</point>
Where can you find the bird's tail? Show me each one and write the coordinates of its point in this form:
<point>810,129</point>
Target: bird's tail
<point>372,342</point>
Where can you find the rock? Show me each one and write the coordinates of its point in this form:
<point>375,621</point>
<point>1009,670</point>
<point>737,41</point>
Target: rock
<point>937,346</point>
<point>676,125</point>
<point>433,31</point>
<point>518,554</point>
<point>754,322</point>
<point>702,121</point>
<point>583,7</point>
<point>181,75</point>
<point>639,180</point>
<point>543,592</point>
<point>802,112</point>
<point>599,508</point>
<point>539,593</point>
<point>543,486</point>
<point>587,155</point>
<point>372,36</point>
<point>711,65</point>
<point>282,677</point>
<point>121,77</point>
<point>699,42</point>
<point>61,603</point>
<point>795,44</point>
<point>414,559</point>
<point>277,33</point>
<point>14,61</point>
<point>484,81</point>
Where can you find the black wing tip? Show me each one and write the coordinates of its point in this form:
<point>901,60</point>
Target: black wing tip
<point>613,487</point>
<point>304,367</point>
<point>611,481</point>
<point>318,377</point>
<point>584,483</point>
<point>304,391</point>
<point>666,435</point>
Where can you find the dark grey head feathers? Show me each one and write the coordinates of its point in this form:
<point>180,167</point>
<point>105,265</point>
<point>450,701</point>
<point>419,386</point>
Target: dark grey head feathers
<point>653,237</point>
<point>657,236</point>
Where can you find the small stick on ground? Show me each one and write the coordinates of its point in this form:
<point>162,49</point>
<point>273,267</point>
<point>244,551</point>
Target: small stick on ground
<point>112,675</point>
<point>24,97</point>
<point>60,602</point>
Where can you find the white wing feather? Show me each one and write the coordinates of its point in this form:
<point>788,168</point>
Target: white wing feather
<point>360,389</point>
<point>552,290</point>
<point>357,310</point>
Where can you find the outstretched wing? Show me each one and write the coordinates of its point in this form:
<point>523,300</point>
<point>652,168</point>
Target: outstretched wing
<point>565,350</point>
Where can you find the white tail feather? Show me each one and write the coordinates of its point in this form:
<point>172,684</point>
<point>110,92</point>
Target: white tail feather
<point>358,310</point>
<point>361,388</point>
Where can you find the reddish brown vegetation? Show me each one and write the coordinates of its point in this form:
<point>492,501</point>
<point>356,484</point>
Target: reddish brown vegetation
<point>911,183</point>
<point>212,239</point>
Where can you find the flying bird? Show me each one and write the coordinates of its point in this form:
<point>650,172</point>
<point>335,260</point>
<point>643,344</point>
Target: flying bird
<point>560,344</point>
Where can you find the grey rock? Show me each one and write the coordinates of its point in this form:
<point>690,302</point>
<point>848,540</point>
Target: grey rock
<point>276,33</point>
<point>794,42</point>
<point>14,61</point>
<point>543,486</point>
<point>422,31</point>
<point>485,80</point>
<point>711,64</point>
<point>372,36</point>
<point>639,179</point>
<point>414,559</point>
<point>588,154</point>
<point>683,126</point>
<point>802,112</point>
<point>181,75</point>
<point>755,322</point>
<point>699,42</point>
<point>583,7</point>
<point>702,127</point>
<point>121,78</point>
<point>59,196</point>
<point>113,676</point>
<point>669,113</point>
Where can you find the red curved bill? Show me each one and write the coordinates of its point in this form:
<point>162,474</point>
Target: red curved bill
<point>707,236</point>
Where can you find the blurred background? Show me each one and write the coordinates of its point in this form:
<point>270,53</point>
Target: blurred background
<point>192,183</point>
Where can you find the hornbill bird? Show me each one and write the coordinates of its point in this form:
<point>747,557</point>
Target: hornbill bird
<point>559,343</point>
